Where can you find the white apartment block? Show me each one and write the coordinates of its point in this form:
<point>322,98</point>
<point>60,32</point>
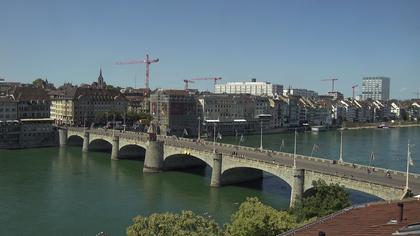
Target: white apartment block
<point>375,88</point>
<point>253,88</point>
<point>300,92</point>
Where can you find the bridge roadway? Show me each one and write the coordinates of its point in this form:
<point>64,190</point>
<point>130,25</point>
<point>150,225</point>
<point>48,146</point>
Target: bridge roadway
<point>352,176</point>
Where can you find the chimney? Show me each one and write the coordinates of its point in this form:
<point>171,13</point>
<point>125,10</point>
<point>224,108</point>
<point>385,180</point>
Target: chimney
<point>401,210</point>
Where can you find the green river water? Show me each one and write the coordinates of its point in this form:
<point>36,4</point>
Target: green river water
<point>62,191</point>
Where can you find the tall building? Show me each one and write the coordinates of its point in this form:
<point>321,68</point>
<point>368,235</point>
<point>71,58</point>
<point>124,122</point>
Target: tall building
<point>237,113</point>
<point>174,112</point>
<point>375,88</point>
<point>24,119</point>
<point>31,102</point>
<point>80,106</point>
<point>253,88</point>
<point>138,100</point>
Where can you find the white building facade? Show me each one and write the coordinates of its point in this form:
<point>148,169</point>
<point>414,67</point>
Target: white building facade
<point>253,88</point>
<point>301,92</point>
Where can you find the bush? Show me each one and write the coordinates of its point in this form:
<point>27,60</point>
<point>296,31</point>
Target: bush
<point>326,199</point>
<point>255,218</point>
<point>186,223</point>
<point>252,218</point>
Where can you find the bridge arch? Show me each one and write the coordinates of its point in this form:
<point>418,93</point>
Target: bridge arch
<point>123,141</point>
<point>75,140</point>
<point>188,156</point>
<point>240,174</point>
<point>99,144</point>
<point>183,161</point>
<point>376,190</point>
<point>132,151</point>
<point>245,174</point>
<point>282,172</point>
<point>354,195</point>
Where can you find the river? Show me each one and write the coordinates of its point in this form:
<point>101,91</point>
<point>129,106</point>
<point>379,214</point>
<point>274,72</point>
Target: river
<point>62,191</point>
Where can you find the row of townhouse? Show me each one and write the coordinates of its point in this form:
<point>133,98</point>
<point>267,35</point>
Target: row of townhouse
<point>177,112</point>
<point>182,112</point>
<point>25,118</point>
<point>374,111</point>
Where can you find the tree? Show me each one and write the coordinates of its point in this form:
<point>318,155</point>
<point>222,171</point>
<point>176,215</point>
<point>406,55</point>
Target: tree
<point>39,83</point>
<point>133,117</point>
<point>186,223</point>
<point>255,218</point>
<point>325,200</point>
<point>100,117</point>
<point>111,87</point>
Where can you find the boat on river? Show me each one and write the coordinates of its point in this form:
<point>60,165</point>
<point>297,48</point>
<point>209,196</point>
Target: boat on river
<point>383,126</point>
<point>318,128</point>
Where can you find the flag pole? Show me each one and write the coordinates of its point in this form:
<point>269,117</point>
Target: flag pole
<point>372,157</point>
<point>408,165</point>
<point>313,148</point>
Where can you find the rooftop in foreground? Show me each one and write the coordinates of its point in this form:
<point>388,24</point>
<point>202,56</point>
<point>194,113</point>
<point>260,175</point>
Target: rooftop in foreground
<point>383,218</point>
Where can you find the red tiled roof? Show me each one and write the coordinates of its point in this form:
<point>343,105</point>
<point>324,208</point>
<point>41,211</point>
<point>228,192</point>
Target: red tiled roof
<point>370,219</point>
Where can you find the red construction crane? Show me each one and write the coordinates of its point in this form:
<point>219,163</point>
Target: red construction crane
<point>186,83</point>
<point>332,80</point>
<point>147,61</point>
<point>354,87</point>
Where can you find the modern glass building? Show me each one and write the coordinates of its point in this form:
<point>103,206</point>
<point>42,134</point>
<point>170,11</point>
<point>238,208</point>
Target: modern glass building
<point>375,88</point>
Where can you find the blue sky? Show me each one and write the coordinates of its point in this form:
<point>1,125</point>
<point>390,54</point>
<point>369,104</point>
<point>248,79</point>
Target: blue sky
<point>296,43</point>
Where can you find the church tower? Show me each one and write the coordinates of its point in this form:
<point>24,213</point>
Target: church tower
<point>101,82</point>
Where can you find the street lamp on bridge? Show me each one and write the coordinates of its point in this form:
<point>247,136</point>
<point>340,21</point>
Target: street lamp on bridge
<point>340,160</point>
<point>214,132</point>
<point>262,117</point>
<point>199,128</point>
<point>234,126</point>
<point>294,151</point>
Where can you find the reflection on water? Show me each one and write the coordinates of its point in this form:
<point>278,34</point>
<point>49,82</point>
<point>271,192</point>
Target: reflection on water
<point>56,190</point>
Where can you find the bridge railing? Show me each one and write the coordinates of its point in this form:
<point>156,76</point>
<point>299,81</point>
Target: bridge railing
<point>131,134</point>
<point>337,175</point>
<point>303,157</point>
<point>319,159</point>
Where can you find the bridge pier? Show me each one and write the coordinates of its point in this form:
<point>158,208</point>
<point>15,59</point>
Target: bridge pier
<point>298,187</point>
<point>85,147</point>
<point>62,137</point>
<point>115,147</point>
<point>216,172</point>
<point>153,162</point>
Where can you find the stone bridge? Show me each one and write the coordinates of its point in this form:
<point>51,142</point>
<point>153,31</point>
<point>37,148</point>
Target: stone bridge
<point>233,164</point>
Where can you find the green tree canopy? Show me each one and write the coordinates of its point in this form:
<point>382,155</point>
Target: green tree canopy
<point>186,223</point>
<point>325,200</point>
<point>144,117</point>
<point>252,218</point>
<point>255,218</point>
<point>38,83</point>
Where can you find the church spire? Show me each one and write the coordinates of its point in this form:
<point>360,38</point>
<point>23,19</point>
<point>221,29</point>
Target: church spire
<point>101,82</point>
